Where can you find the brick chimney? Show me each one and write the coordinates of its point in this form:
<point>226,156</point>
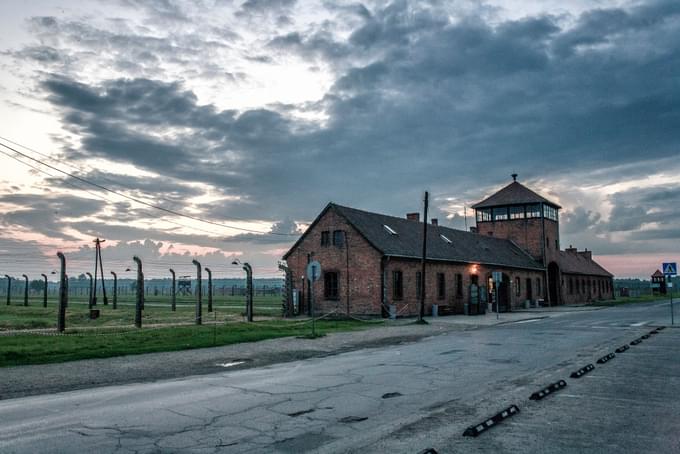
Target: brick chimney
<point>571,249</point>
<point>435,221</point>
<point>586,254</point>
<point>413,217</point>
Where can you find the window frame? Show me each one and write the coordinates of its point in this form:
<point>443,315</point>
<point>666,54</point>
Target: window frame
<point>338,238</point>
<point>397,285</point>
<point>331,287</point>
<point>441,286</point>
<point>325,238</point>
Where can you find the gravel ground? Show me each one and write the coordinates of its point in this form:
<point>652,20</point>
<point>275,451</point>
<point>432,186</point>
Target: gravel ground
<point>51,378</point>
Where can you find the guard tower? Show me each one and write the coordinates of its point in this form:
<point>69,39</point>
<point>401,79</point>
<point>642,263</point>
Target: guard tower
<point>531,221</point>
<point>519,214</point>
<point>658,283</point>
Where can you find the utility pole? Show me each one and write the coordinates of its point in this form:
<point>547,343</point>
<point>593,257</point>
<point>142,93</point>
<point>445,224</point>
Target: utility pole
<point>25,290</point>
<point>61,312</point>
<point>115,290</point>
<point>9,288</point>
<point>44,290</point>
<point>139,300</point>
<point>174,292</point>
<point>421,313</point>
<point>199,293</point>
<point>210,289</point>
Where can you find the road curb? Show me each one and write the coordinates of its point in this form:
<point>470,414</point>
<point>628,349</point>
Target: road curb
<point>477,429</point>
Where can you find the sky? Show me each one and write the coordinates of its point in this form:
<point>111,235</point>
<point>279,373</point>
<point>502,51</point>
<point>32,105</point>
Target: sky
<point>254,114</point>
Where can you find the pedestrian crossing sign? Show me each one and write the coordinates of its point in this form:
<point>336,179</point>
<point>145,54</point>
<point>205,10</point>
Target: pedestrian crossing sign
<point>670,269</point>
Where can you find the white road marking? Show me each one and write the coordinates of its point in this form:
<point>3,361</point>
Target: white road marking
<point>528,321</point>
<point>235,363</point>
<point>639,324</point>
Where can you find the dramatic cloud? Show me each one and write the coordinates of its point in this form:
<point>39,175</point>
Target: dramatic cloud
<point>448,98</point>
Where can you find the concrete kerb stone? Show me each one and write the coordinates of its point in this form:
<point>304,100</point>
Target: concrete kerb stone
<point>636,341</point>
<point>606,358</point>
<point>582,371</point>
<point>622,348</point>
<point>538,395</point>
<point>477,429</point>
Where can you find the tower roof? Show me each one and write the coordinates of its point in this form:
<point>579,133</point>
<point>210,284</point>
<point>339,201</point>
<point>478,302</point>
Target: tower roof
<point>512,194</point>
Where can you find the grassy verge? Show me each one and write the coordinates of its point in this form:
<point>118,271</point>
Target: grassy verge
<point>37,349</point>
<point>631,299</point>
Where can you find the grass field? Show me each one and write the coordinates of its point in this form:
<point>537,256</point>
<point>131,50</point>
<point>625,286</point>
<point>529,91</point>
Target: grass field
<point>157,311</point>
<point>634,299</point>
<point>40,349</point>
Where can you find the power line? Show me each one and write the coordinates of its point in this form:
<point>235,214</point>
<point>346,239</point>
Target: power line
<point>134,199</point>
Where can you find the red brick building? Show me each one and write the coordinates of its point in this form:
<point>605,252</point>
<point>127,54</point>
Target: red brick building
<point>371,262</point>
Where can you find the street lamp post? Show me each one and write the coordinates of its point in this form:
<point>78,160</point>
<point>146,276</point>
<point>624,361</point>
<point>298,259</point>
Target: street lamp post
<point>25,290</point>
<point>174,291</point>
<point>44,290</point>
<point>115,290</point>
<point>89,298</point>
<point>210,289</point>
<point>249,288</point>
<point>199,293</point>
<point>9,288</point>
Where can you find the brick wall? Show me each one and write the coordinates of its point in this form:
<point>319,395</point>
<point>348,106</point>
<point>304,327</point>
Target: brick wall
<point>527,233</point>
<point>600,288</point>
<point>364,268</point>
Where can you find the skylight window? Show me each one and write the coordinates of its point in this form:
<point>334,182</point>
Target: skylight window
<point>443,237</point>
<point>389,229</point>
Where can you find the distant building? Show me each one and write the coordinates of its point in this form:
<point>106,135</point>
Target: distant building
<point>371,262</point>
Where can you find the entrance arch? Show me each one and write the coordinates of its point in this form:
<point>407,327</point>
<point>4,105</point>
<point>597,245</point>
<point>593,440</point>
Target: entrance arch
<point>554,283</point>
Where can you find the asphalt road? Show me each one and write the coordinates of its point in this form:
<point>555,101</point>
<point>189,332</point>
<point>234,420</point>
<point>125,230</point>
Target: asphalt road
<point>402,398</point>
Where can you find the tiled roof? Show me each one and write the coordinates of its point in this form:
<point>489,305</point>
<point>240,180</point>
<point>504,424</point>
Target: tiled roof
<point>514,193</point>
<point>465,247</point>
<point>575,263</point>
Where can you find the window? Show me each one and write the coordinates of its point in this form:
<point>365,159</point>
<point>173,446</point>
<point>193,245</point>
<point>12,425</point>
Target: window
<point>419,283</point>
<point>397,285</point>
<point>550,212</point>
<point>389,229</point>
<point>557,245</point>
<point>338,238</point>
<point>500,214</point>
<point>459,285</point>
<point>325,238</point>
<point>518,289</point>
<point>547,242</point>
<point>517,212</point>
<point>443,237</point>
<point>534,211</point>
<point>441,286</point>
<point>571,285</point>
<point>484,215</point>
<point>330,285</point>
<point>538,286</point>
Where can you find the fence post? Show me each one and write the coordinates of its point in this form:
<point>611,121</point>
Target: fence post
<point>139,300</point>
<point>9,288</point>
<point>174,294</point>
<point>89,298</point>
<point>61,311</point>
<point>210,289</point>
<point>25,290</point>
<point>115,290</point>
<point>44,290</point>
<point>249,291</point>
<point>199,292</point>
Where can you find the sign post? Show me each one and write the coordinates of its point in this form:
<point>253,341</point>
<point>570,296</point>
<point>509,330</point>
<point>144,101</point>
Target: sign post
<point>670,269</point>
<point>497,279</point>
<point>313,274</point>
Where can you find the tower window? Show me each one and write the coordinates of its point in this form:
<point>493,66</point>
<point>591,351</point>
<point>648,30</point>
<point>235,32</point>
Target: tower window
<point>500,214</point>
<point>534,211</point>
<point>550,212</point>
<point>483,215</point>
<point>517,212</point>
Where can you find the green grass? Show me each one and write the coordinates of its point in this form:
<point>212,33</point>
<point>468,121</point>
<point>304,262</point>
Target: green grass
<point>632,299</point>
<point>40,349</point>
<point>157,311</point>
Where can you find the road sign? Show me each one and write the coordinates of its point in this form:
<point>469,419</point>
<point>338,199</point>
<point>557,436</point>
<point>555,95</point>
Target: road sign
<point>497,276</point>
<point>670,269</point>
<point>313,270</point>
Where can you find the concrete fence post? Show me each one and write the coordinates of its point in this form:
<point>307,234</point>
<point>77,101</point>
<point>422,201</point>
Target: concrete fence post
<point>115,290</point>
<point>210,289</point>
<point>25,290</point>
<point>44,290</point>
<point>61,310</point>
<point>139,300</point>
<point>199,293</point>
<point>9,289</point>
<point>174,291</point>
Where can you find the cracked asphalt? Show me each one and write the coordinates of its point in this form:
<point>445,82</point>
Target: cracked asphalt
<point>420,393</point>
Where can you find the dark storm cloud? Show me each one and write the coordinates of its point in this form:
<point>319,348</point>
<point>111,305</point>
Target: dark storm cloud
<point>635,208</point>
<point>259,7</point>
<point>45,213</point>
<point>418,102</point>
